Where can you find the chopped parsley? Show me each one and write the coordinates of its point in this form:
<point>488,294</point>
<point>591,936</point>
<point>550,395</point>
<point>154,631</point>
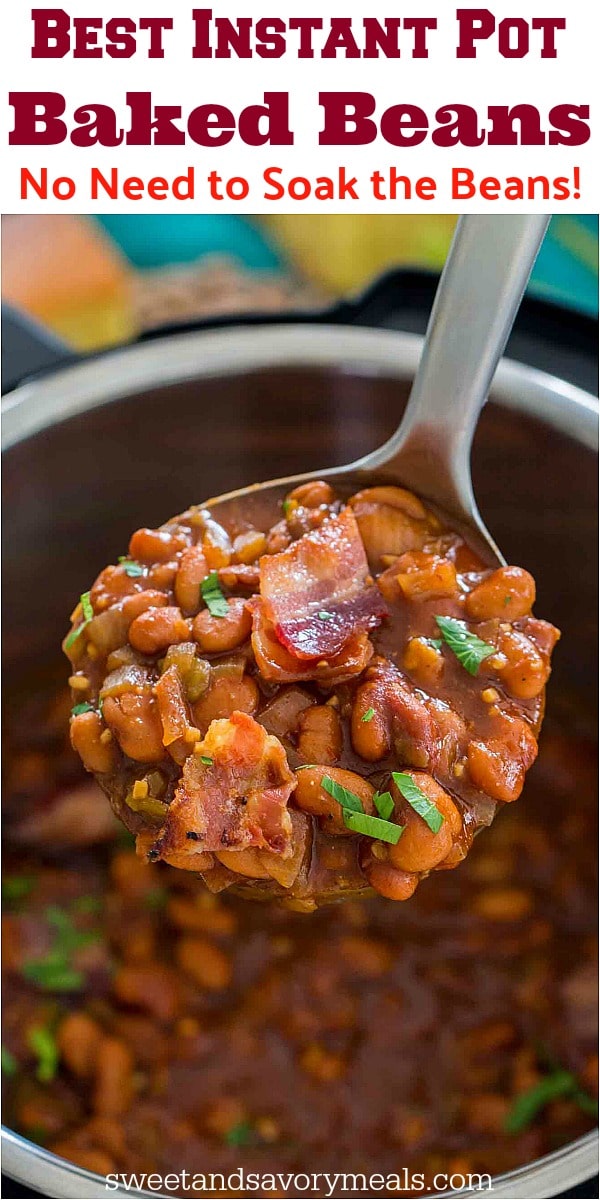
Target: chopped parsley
<point>468,648</point>
<point>206,759</point>
<point>10,1065</point>
<point>240,1134</point>
<point>355,817</point>
<point>210,590</point>
<point>43,1044</point>
<point>435,643</point>
<point>559,1083</point>
<point>131,568</point>
<point>368,716</point>
<point>288,507</point>
<point>82,708</point>
<point>384,804</point>
<point>17,887</point>
<point>418,800</point>
<point>323,615</point>
<point>88,612</point>
<point>54,972</point>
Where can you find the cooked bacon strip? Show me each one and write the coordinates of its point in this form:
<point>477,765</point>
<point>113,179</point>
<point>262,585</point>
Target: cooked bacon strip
<point>315,593</point>
<point>237,797</point>
<point>277,665</point>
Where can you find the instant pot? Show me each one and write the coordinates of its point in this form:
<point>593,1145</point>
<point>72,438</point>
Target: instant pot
<point>94,448</point>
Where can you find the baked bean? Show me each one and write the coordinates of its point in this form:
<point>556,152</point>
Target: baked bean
<point>217,635</point>
<point>201,913</point>
<point>386,879</point>
<point>134,606</point>
<point>312,494</point>
<point>204,962</point>
<point>226,694</point>
<point>424,576</point>
<point>249,546</point>
<point>503,904</point>
<point>157,629</point>
<point>113,1090</point>
<point>507,593</point>
<point>136,724</point>
<point>393,497</point>
<point>312,798</point>
<point>365,955</point>
<point>216,543</point>
<point>152,987</point>
<point>112,584</point>
<point>419,849</point>
<point>278,538</point>
<point>151,546</point>
<point>370,724</point>
<point>89,1158</point>
<point>526,673</point>
<point>320,737</point>
<point>78,1038</point>
<point>192,570</point>
<point>86,733</point>
<point>244,862</point>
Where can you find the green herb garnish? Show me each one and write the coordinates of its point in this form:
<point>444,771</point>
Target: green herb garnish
<point>86,606</point>
<point>53,972</point>
<point>43,1044</point>
<point>323,615</point>
<point>527,1106</point>
<point>436,643</point>
<point>10,1065</point>
<point>384,804</point>
<point>239,1135</point>
<point>374,827</point>
<point>213,597</point>
<point>131,568</point>
<point>468,648</point>
<point>16,887</point>
<point>355,817</point>
<point>348,800</point>
<point>88,612</point>
<point>82,708</point>
<point>156,899</point>
<point>418,800</point>
<point>206,759</point>
<point>368,716</point>
<point>288,506</point>
<point>507,600</point>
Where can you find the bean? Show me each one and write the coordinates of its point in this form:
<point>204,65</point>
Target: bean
<point>112,584</point>
<point>149,986</point>
<point>311,797</point>
<point>89,1158</point>
<point>201,914</point>
<point>425,576</point>
<point>113,1092</point>
<point>151,546</point>
<point>365,955</point>
<point>134,606</point>
<point>132,877</point>
<point>387,879</point>
<point>487,1112</point>
<point>193,569</point>
<point>503,904</point>
<point>86,731</point>
<point>157,629</point>
<point>370,738</point>
<point>526,673</point>
<point>322,1064</point>
<point>78,1038</point>
<point>313,494</point>
<point>507,593</point>
<point>226,694</point>
<point>419,848</point>
<point>278,538</point>
<point>215,543</point>
<point>492,770</point>
<point>249,546</point>
<point>204,962</point>
<point>320,736</point>
<point>244,862</point>
<point>217,635</point>
<point>135,722</point>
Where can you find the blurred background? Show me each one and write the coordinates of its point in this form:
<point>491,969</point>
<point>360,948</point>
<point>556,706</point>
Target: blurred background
<point>98,281</point>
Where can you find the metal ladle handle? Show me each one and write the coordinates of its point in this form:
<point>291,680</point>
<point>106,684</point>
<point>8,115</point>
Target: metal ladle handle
<point>481,287</point>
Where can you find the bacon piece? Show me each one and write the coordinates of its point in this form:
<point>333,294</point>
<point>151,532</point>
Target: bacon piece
<point>277,665</point>
<point>315,593</point>
<point>236,800</point>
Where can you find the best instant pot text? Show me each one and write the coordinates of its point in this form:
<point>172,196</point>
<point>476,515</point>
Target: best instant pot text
<point>399,101</point>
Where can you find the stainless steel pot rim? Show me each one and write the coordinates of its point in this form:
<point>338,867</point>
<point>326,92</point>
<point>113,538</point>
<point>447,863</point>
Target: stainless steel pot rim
<point>213,353</point>
<point>209,354</point>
